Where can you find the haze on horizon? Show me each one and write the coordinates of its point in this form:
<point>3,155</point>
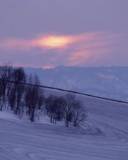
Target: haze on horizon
<point>59,32</point>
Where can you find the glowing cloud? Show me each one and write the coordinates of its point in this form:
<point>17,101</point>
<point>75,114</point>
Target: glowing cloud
<point>54,41</point>
<point>49,41</point>
<point>67,49</point>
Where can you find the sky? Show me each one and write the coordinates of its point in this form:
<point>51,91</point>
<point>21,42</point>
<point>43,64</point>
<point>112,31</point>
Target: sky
<point>51,33</point>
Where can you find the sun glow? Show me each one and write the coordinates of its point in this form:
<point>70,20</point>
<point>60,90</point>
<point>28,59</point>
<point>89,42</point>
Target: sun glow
<point>54,41</point>
<point>65,49</point>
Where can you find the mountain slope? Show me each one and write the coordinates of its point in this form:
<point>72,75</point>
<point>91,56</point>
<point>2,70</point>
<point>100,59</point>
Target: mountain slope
<point>103,137</point>
<point>103,81</point>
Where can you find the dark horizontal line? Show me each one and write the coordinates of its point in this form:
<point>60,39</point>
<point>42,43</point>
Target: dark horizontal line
<point>68,91</point>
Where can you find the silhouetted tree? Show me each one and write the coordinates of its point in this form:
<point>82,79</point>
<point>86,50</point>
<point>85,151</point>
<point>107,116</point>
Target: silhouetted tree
<point>68,109</point>
<point>18,88</point>
<point>20,96</point>
<point>12,98</point>
<point>74,111</point>
<point>51,108</point>
<point>33,98</point>
<point>79,113</point>
<point>5,76</point>
<point>55,108</point>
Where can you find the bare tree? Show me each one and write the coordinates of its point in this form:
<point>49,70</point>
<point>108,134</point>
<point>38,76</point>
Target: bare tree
<point>5,76</point>
<point>33,98</point>
<point>18,88</point>
<point>12,98</point>
<point>79,113</point>
<point>74,111</point>
<point>50,107</point>
<point>55,108</point>
<point>68,109</point>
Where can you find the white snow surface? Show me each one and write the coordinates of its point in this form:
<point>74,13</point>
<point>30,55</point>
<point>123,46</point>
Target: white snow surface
<point>113,80</point>
<point>103,137</point>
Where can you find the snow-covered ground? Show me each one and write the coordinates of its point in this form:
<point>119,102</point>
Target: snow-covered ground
<point>103,137</point>
<point>113,80</point>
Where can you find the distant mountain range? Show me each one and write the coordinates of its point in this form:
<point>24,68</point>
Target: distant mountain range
<point>109,82</point>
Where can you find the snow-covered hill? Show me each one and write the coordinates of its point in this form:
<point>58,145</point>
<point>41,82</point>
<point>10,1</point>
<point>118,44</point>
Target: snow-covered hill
<point>103,137</point>
<point>103,81</point>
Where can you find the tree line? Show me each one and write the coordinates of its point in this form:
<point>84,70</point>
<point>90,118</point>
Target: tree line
<point>30,99</point>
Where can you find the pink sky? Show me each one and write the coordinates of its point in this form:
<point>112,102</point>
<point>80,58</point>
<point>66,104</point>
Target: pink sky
<point>53,33</point>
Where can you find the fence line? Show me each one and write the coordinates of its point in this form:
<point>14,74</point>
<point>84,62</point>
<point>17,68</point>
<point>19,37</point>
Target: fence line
<point>68,91</point>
